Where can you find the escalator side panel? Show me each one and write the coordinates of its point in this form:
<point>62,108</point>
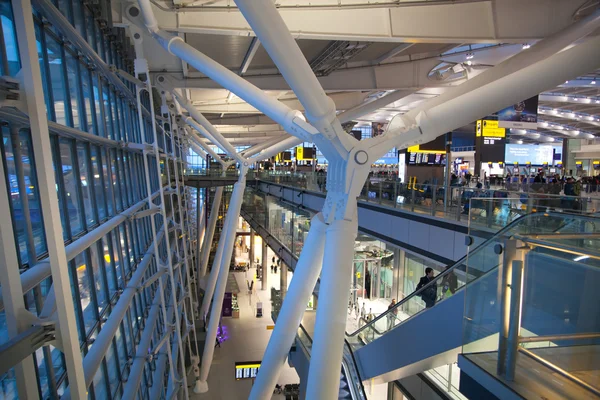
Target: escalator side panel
<point>427,340</point>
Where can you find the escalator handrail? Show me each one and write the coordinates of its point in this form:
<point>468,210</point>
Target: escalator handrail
<point>450,270</point>
<point>363,393</point>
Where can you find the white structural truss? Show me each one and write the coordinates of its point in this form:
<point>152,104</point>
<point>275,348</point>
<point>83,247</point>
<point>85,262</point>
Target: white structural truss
<point>547,64</point>
<point>171,268</point>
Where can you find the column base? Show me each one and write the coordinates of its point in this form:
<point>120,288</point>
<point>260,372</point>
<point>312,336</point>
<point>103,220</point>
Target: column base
<point>201,386</point>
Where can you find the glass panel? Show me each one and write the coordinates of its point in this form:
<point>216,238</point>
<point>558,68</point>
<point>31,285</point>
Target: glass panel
<point>97,100</point>
<point>10,38</point>
<point>74,86</point>
<point>109,262</point>
<point>87,98</point>
<point>70,181</point>
<point>8,385</point>
<point>85,184</point>
<point>98,186</point>
<point>19,224</point>
<point>99,282</point>
<point>113,369</point>
<point>35,209</point>
<point>107,111</point>
<point>100,384</point>
<point>84,280</point>
<point>57,77</point>
<point>43,67</point>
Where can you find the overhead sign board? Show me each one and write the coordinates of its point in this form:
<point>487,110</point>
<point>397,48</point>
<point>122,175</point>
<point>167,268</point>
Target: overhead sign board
<point>489,128</point>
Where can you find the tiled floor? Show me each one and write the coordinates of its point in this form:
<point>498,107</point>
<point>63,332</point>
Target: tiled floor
<point>247,338</point>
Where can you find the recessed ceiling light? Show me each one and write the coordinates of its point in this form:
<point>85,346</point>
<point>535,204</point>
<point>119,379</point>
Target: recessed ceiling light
<point>593,82</point>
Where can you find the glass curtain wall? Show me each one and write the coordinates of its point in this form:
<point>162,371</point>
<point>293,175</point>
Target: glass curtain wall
<point>95,181</point>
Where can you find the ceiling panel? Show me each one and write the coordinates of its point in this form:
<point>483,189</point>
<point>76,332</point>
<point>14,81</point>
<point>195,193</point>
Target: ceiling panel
<point>426,48</point>
<point>228,51</point>
<point>374,51</point>
<point>310,49</point>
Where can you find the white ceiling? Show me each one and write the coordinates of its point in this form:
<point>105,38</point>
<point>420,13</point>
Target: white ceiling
<point>399,53</point>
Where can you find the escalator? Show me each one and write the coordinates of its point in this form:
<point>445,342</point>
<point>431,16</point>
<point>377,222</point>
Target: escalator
<point>409,338</point>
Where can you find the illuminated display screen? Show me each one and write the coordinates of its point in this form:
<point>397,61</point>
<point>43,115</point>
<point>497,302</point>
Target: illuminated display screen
<point>246,370</point>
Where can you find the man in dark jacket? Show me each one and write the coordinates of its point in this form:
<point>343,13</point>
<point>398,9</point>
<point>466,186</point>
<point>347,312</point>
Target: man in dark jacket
<point>430,293</point>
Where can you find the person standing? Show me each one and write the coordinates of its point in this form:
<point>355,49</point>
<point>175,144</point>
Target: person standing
<point>392,315</point>
<point>449,283</point>
<point>430,293</point>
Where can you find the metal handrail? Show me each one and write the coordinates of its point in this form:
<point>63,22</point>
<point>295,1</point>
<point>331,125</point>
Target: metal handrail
<point>353,390</point>
<point>561,371</point>
<point>526,239</point>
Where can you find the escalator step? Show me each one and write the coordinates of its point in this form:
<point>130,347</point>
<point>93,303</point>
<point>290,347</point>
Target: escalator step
<point>344,394</point>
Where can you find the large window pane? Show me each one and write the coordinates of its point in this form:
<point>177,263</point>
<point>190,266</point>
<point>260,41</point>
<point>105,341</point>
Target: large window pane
<point>113,369</point>
<point>57,78</point>
<point>85,181</point>
<point>100,385</point>
<point>74,86</point>
<point>107,182</point>
<point>84,281</point>
<point>70,182</point>
<point>97,105</point>
<point>31,186</point>
<point>98,276</point>
<point>43,67</point>
<point>87,99</point>
<point>10,39</point>
<point>98,187</point>
<point>107,111</point>
<point>109,262</point>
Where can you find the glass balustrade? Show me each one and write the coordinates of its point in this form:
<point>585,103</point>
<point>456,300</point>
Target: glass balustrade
<point>539,310</point>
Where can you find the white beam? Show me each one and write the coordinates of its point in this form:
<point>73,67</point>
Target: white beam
<point>40,137</point>
<point>249,55</point>
<point>343,101</point>
<point>392,76</point>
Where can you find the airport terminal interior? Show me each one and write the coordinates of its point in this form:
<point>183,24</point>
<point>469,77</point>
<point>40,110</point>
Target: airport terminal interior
<point>300,199</point>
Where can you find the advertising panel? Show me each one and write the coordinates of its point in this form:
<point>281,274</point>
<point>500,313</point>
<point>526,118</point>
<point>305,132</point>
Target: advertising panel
<point>522,115</point>
<point>524,153</point>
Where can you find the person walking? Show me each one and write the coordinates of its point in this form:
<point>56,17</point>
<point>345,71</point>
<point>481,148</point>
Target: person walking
<point>392,315</point>
<point>430,293</point>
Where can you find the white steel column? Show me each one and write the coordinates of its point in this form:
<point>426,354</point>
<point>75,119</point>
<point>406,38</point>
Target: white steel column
<point>201,225</point>
<point>32,85</point>
<point>303,283</point>
<point>210,232</point>
<point>334,289</point>
<point>231,220</point>
<point>209,288</point>
<point>185,238</point>
<point>14,305</point>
